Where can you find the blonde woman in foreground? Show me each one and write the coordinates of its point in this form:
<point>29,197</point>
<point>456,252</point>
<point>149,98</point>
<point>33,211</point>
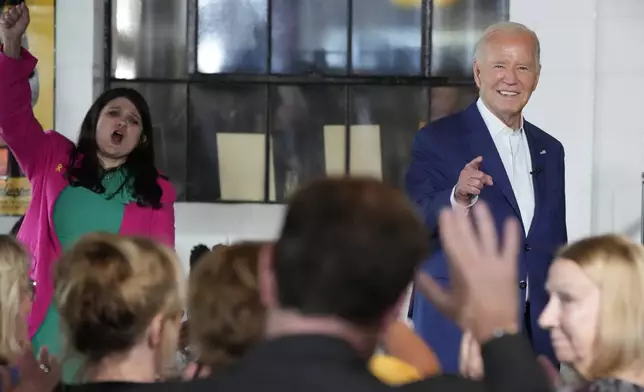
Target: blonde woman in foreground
<point>120,301</point>
<point>595,316</point>
<point>19,368</point>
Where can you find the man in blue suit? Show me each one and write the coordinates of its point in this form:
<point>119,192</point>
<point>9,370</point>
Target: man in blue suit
<point>489,152</point>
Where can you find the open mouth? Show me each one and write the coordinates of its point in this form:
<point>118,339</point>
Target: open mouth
<point>117,137</point>
<point>509,94</point>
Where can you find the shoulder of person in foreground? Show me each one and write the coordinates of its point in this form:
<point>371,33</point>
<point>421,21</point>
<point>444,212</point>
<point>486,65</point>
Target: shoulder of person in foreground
<point>508,361</point>
<point>444,382</point>
<point>166,386</point>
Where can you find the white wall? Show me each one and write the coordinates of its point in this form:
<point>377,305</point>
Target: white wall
<point>587,97</point>
<point>619,133</point>
<point>564,103</point>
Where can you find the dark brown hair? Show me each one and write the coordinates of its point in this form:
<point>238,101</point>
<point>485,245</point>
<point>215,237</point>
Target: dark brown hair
<point>348,248</point>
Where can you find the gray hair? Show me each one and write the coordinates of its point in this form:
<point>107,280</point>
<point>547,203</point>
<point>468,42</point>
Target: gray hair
<point>507,27</point>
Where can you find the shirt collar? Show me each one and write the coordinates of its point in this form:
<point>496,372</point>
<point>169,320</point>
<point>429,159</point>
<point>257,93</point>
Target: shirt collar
<point>493,123</point>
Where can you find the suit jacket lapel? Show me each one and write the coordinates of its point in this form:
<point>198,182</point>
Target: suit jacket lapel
<point>481,143</point>
<point>538,155</point>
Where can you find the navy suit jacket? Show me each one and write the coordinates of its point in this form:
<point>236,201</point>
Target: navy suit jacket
<point>439,153</point>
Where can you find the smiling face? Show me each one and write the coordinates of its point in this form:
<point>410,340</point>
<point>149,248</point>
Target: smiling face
<point>506,71</point>
<point>572,314</point>
<point>118,130</point>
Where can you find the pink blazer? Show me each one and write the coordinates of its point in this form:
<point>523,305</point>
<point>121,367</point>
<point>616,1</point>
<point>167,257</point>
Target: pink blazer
<point>42,157</point>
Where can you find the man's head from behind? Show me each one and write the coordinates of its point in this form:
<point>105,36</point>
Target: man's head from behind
<point>348,249</point>
<point>506,68</point>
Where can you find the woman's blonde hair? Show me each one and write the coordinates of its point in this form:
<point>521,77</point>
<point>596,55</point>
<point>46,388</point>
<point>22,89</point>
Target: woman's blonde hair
<point>616,265</point>
<point>14,285</point>
<point>110,287</point>
<point>226,314</point>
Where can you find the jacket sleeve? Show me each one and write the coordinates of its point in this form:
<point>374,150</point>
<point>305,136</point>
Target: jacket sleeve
<point>427,182</point>
<point>19,128</point>
<point>509,365</point>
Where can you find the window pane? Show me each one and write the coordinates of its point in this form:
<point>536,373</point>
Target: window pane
<point>386,120</point>
<point>309,36</point>
<point>149,38</point>
<point>386,38</point>
<point>449,100</point>
<point>227,143</point>
<point>232,36</point>
<point>168,104</point>
<point>456,27</point>
<point>307,134</point>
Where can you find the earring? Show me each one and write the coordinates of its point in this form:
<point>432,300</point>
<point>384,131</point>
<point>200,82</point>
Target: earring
<point>143,140</point>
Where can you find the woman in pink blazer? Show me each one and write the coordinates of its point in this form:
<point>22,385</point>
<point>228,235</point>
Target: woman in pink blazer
<point>106,182</point>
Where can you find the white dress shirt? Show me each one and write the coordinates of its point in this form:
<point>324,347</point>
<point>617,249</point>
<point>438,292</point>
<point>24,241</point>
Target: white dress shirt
<point>512,146</point>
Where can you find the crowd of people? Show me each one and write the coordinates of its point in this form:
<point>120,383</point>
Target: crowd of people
<point>92,296</point>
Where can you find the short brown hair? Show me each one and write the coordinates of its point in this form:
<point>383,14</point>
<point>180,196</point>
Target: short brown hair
<point>226,314</point>
<point>616,265</point>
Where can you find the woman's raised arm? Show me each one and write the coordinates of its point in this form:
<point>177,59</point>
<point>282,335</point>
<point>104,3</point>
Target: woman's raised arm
<point>18,126</point>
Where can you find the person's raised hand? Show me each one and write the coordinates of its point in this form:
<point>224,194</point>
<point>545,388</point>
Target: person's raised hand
<point>13,23</point>
<point>38,374</point>
<point>482,297</point>
<point>471,182</point>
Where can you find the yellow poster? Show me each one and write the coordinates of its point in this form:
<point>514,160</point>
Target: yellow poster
<point>16,193</point>
<point>40,40</point>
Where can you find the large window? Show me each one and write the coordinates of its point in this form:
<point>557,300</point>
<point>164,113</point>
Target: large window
<point>253,98</point>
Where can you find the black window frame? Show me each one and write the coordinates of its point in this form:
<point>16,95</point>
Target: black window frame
<point>269,79</point>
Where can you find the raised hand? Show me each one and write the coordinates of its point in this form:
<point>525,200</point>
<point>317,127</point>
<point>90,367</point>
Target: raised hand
<point>482,297</point>
<point>13,23</point>
<point>471,182</point>
<point>40,374</point>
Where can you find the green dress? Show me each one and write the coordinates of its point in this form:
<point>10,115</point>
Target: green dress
<point>79,211</point>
